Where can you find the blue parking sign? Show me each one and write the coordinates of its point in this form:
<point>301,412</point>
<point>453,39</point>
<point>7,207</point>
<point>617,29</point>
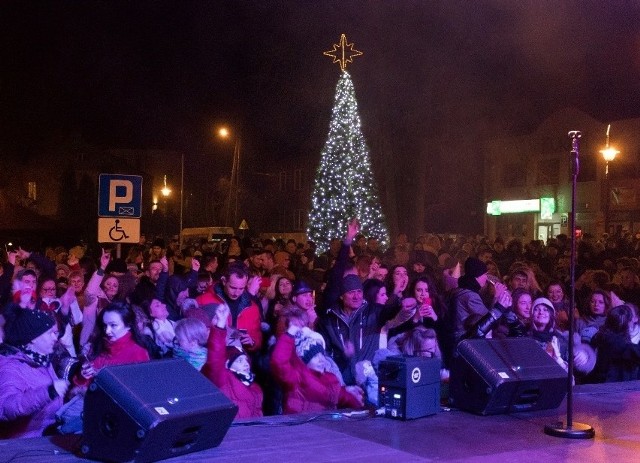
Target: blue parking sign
<point>120,195</point>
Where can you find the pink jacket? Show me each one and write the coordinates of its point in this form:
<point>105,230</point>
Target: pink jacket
<point>122,351</point>
<point>26,408</point>
<point>247,398</point>
<point>306,390</point>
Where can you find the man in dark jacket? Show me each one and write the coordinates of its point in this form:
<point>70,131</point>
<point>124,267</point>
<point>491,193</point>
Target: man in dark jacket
<point>351,328</point>
<point>465,302</point>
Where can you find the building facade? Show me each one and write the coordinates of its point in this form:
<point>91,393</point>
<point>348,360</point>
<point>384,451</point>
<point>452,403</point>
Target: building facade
<point>528,179</point>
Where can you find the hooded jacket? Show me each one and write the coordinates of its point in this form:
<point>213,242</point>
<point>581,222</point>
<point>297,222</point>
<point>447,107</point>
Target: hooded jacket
<point>26,404</point>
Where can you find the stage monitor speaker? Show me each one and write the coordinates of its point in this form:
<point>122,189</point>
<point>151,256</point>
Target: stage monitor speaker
<point>492,376</point>
<point>409,387</point>
<point>150,411</point>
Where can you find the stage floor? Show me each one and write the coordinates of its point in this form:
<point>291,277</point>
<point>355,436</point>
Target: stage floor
<point>452,436</point>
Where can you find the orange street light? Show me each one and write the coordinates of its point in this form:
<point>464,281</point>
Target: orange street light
<point>234,187</point>
<point>608,154</point>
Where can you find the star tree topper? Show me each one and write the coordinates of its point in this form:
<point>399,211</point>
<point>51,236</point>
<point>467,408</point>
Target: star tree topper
<point>343,52</point>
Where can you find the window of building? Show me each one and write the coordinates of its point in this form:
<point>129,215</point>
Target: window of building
<point>298,219</point>
<point>32,192</point>
<point>297,179</point>
<point>623,168</point>
<point>282,220</point>
<point>547,172</point>
<point>514,175</point>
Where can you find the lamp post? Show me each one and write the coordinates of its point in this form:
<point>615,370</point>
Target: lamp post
<point>234,186</point>
<point>609,154</point>
<point>181,190</point>
<point>166,191</point>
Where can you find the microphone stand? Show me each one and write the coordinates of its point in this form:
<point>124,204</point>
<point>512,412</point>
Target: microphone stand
<point>572,430</point>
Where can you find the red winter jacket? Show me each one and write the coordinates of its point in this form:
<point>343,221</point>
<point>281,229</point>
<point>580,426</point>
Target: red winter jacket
<point>248,319</point>
<point>247,398</point>
<point>306,390</point>
<point>119,352</point>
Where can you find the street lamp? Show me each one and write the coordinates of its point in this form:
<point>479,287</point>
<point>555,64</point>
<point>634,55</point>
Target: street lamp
<point>608,154</point>
<point>166,191</point>
<point>234,187</point>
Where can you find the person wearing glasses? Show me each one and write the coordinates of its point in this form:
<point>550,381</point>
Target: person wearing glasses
<point>64,309</point>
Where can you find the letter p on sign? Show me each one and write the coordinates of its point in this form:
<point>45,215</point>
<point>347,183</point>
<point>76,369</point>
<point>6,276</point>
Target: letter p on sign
<point>120,192</point>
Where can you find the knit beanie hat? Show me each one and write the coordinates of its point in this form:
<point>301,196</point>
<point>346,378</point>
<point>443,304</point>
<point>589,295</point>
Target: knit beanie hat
<point>232,355</point>
<point>475,267</point>
<point>309,343</point>
<point>24,325</point>
<point>311,350</point>
<point>548,304</point>
<point>351,283</point>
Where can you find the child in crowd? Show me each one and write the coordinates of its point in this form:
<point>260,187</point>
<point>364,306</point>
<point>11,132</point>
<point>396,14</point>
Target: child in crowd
<point>229,368</point>
<point>303,372</point>
<point>191,342</point>
<point>162,328</point>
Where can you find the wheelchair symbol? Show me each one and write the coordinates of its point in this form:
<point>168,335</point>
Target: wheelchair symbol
<point>116,233</point>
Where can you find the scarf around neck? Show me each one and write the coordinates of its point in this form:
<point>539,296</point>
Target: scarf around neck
<point>42,360</point>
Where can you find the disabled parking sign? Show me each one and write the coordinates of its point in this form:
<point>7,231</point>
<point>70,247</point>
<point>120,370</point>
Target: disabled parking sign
<point>120,196</point>
<point>118,230</point>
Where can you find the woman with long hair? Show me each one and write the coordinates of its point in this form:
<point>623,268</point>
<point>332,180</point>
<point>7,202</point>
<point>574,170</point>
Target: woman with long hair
<point>543,329</point>
<point>281,298</point>
<point>599,303</point>
<point>102,289</point>
<point>397,284</point>
<point>557,294</point>
<point>116,340</point>
<point>618,359</point>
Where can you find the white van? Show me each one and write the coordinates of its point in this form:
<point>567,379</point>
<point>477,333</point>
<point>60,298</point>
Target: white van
<point>210,236</point>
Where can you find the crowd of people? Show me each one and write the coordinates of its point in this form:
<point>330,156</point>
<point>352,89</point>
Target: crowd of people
<point>280,328</point>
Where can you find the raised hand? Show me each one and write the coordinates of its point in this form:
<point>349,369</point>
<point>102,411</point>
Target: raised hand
<point>353,228</point>
<point>22,254</point>
<point>426,311</point>
<point>221,317</point>
<point>165,263</point>
<point>504,299</point>
<point>105,258</point>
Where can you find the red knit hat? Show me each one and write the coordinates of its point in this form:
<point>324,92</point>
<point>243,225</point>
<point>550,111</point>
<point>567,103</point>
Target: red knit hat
<point>232,355</point>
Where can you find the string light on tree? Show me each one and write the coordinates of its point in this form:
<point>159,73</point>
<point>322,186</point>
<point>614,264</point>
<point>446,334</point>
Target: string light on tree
<point>345,185</point>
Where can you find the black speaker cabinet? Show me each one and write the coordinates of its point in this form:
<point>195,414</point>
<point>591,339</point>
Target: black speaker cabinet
<point>409,387</point>
<point>150,411</point>
<point>492,376</point>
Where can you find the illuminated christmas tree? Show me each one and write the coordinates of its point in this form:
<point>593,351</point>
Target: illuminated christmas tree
<point>345,185</point>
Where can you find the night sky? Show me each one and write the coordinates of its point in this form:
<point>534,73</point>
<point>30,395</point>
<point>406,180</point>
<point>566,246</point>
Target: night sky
<point>162,74</point>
